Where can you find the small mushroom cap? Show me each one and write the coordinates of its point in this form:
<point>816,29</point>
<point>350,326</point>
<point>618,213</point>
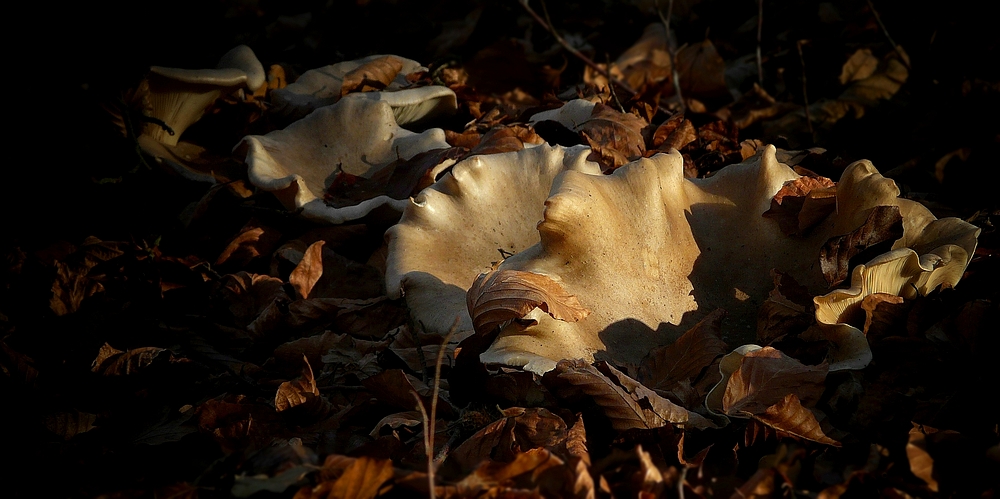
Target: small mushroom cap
<point>571,115</point>
<point>321,87</point>
<point>179,97</point>
<point>358,136</point>
<point>456,229</point>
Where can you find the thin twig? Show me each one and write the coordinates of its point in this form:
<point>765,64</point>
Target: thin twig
<point>614,95</point>
<point>576,53</point>
<point>672,51</point>
<point>805,94</point>
<point>427,444</point>
<point>760,25</point>
<point>429,421</point>
<point>885,31</point>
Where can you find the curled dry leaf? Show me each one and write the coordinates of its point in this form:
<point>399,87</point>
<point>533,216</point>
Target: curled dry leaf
<point>302,396</point>
<point>686,358</point>
<point>921,462</point>
<point>882,228</point>
<point>113,362</point>
<point>616,133</point>
<point>363,479</point>
<point>787,310</point>
<point>882,311</point>
<point>802,203</point>
<point>71,423</point>
<point>788,416</point>
<point>625,402</point>
<point>764,377</point>
<point>308,271</point>
<point>373,75</point>
<point>674,133</point>
<point>501,296</point>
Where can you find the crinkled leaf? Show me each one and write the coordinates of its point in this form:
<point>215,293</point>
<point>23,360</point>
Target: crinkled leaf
<point>921,462</point>
<point>625,402</point>
<point>676,132</point>
<point>841,253</point>
<point>763,379</point>
<point>500,296</point>
<point>303,395</point>
<point>250,244</point>
<point>113,362</point>
<point>789,417</point>
<point>613,130</point>
<point>787,310</point>
<point>308,271</point>
<point>70,423</point>
<point>363,479</point>
<point>882,312</point>
<point>372,76</point>
<point>802,203</point>
<point>859,66</point>
<point>684,359</point>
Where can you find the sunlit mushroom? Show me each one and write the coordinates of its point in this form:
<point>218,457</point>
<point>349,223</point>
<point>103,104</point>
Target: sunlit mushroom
<point>650,252</point>
<point>484,209</point>
<point>321,87</point>
<point>178,98</point>
<point>357,136</point>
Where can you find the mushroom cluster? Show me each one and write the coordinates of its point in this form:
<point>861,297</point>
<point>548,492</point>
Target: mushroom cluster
<point>648,253</point>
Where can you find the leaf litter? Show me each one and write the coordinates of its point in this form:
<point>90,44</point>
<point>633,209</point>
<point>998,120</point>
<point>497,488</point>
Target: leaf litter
<point>254,353</point>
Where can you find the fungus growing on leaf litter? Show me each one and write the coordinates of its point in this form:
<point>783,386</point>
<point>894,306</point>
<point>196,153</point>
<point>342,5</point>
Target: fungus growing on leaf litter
<point>646,253</point>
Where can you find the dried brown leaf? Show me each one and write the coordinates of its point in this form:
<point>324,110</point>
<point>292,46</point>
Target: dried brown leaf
<point>363,479</point>
<point>372,76</point>
<point>790,417</point>
<point>248,295</point>
<point>610,129</point>
<point>840,253</point>
<point>882,312</point>
<point>302,395</point>
<point>71,423</point>
<point>921,462</point>
<point>113,362</point>
<point>702,71</point>
<point>859,66</point>
<point>308,271</point>
<point>686,358</point>
<point>500,296</point>
<point>787,310</point>
<point>802,203</point>
<point>625,402</point>
<point>676,132</point>
<point>250,244</point>
<point>395,387</point>
<point>764,378</point>
<point>16,365</point>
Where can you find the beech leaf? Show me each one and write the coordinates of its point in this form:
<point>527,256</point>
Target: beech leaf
<point>789,417</point>
<point>372,76</point>
<point>616,131</point>
<point>113,362</point>
<point>763,379</point>
<point>625,402</point>
<point>362,479</point>
<point>802,203</point>
<point>684,359</point>
<point>70,424</point>
<point>302,394</point>
<point>883,227</point>
<point>308,271</point>
<point>500,296</point>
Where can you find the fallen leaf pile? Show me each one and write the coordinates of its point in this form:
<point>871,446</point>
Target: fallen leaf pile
<point>201,323</point>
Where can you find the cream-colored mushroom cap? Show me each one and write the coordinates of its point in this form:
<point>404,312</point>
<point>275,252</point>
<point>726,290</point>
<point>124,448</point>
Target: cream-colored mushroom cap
<point>457,228</point>
<point>321,87</point>
<point>357,135</point>
<point>650,252</point>
<point>179,97</point>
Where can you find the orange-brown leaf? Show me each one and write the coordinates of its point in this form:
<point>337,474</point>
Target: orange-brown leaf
<point>883,227</point>
<point>363,479</point>
<point>500,296</point>
<point>684,359</point>
<point>308,271</point>
<point>676,132</point>
<point>882,311</point>
<point>802,203</point>
<point>789,417</point>
<point>765,377</point>
<point>297,392</point>
<point>372,76</point>
<point>614,130</point>
<point>113,362</point>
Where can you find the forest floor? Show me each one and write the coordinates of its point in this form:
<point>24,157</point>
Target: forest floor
<point>154,333</point>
